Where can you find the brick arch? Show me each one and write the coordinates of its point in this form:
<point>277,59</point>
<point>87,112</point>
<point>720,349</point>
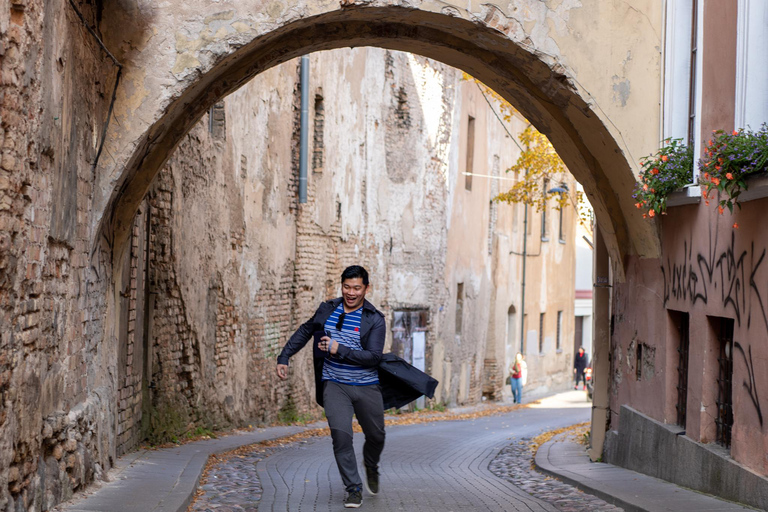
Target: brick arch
<point>531,80</point>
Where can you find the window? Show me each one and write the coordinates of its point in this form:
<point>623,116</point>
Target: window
<point>318,143</point>
<point>680,321</point>
<point>558,343</point>
<point>511,327</point>
<point>459,306</point>
<point>493,213</point>
<point>541,333</point>
<point>724,419</point>
<point>470,153</point>
<point>692,79</point>
<point>639,361</point>
<point>544,213</point>
<point>578,333</point>
<point>561,227</point>
<point>217,126</point>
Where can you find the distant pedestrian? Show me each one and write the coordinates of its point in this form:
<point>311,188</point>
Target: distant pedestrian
<point>580,363</point>
<point>518,374</point>
<point>352,333</point>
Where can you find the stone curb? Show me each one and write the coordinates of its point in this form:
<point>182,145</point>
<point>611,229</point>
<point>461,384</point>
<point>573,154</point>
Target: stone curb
<point>570,463</point>
<point>542,464</point>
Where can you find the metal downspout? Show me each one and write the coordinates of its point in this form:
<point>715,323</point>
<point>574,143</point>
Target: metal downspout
<point>522,299</point>
<point>304,133</point>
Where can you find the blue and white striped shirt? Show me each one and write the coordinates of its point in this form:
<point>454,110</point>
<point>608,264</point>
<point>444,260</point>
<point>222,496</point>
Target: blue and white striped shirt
<point>346,373</point>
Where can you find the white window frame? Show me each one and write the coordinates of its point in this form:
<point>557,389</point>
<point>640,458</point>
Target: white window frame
<point>677,74</point>
<point>751,109</point>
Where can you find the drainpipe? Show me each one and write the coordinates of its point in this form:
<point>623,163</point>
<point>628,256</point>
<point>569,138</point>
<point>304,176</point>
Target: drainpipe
<point>522,299</point>
<point>304,133</point>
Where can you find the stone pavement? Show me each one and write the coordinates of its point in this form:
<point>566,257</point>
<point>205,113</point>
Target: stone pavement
<point>566,459</point>
<point>434,466</point>
<point>446,466</point>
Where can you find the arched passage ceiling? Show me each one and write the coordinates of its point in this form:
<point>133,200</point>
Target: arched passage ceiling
<point>569,69</point>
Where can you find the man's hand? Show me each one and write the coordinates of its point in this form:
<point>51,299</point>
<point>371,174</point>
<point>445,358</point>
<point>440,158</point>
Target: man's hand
<point>282,371</point>
<point>328,345</point>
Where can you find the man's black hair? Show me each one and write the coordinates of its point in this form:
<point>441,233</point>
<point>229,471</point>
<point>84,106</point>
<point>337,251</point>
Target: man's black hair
<point>354,272</point>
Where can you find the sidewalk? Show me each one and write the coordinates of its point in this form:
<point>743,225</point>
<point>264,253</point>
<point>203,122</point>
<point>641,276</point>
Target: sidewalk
<point>164,480</point>
<point>567,460</point>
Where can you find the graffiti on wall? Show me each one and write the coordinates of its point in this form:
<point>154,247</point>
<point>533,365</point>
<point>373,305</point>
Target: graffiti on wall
<point>726,276</point>
<point>749,382</point>
<point>734,278</point>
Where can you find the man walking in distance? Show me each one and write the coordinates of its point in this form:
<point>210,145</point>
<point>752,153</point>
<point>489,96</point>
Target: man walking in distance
<point>353,343</point>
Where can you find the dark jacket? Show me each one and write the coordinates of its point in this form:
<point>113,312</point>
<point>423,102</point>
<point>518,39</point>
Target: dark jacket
<point>400,382</point>
<point>580,362</point>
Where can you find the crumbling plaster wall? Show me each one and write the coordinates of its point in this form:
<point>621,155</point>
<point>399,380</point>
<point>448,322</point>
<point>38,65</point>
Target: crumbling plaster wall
<point>237,236</point>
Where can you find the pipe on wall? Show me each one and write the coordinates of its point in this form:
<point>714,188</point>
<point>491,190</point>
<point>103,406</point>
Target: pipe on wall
<point>304,133</point>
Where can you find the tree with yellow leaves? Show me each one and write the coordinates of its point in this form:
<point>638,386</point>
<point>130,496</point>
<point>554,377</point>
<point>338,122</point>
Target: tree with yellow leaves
<point>538,168</point>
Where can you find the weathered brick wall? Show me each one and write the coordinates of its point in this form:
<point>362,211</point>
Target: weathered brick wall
<point>55,390</point>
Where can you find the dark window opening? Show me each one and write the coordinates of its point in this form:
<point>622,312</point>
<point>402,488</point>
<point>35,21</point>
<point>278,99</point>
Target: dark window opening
<point>318,143</point>
<point>541,333</point>
<point>724,419</point>
<point>561,227</point>
<point>681,322</point>
<point>639,362</point>
<point>402,111</point>
<point>217,122</point>
<point>459,306</point>
<point>558,343</point>
<point>470,153</point>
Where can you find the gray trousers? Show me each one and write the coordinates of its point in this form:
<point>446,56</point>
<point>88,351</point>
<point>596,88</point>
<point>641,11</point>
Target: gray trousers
<point>365,402</point>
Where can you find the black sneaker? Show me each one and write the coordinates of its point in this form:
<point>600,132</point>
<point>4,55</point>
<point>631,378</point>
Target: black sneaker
<point>371,481</point>
<point>354,499</point>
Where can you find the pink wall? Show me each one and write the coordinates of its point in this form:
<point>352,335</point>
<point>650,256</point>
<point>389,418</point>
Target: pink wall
<point>708,269</point>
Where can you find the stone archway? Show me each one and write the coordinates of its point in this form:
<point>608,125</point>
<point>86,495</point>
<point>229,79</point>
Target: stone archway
<point>167,89</point>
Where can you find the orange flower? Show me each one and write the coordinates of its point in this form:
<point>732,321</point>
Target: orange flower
<point>735,225</point>
<point>651,213</point>
<point>706,175</point>
<point>735,132</point>
<point>645,187</point>
<point>720,209</point>
<point>717,168</point>
<point>653,190</point>
<point>664,158</point>
<point>711,143</point>
<point>645,216</point>
<point>716,181</point>
<point>706,202</point>
<point>654,171</point>
<point>729,175</point>
<point>639,205</point>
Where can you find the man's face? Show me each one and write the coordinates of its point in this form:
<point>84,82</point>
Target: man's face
<point>353,290</point>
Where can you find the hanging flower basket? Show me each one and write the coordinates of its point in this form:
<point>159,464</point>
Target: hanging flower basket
<point>670,169</point>
<point>729,158</point>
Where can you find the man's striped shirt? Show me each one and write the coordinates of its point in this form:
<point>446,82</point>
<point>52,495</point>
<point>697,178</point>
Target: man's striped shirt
<point>334,369</point>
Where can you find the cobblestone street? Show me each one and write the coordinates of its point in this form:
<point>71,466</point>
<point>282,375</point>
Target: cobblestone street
<point>481,464</point>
